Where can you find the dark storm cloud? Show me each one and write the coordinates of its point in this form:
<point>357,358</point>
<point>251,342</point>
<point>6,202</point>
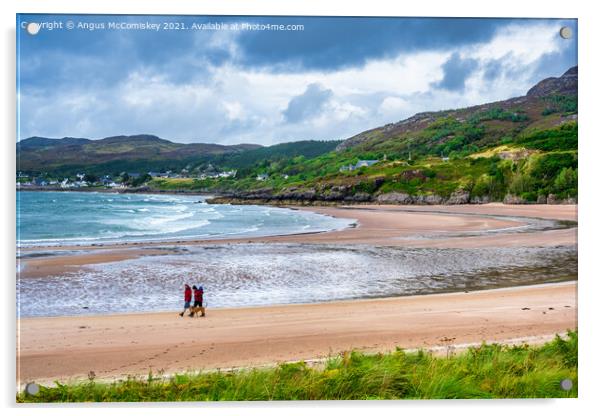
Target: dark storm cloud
<point>330,43</point>
<point>103,57</point>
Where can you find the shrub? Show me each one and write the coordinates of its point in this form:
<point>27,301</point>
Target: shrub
<point>563,137</point>
<point>547,166</point>
<point>483,186</point>
<point>522,184</point>
<point>560,103</point>
<point>566,182</point>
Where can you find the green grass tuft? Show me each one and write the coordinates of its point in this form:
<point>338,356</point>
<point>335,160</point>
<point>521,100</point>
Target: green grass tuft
<point>487,371</point>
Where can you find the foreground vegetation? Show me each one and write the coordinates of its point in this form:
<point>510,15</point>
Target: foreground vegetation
<point>487,371</point>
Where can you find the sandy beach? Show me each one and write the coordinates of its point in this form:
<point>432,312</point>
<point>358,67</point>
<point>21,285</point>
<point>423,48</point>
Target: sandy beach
<point>68,348</point>
<point>113,346</point>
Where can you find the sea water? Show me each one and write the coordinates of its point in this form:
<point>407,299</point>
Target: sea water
<point>244,274</point>
<point>84,218</point>
<point>253,274</point>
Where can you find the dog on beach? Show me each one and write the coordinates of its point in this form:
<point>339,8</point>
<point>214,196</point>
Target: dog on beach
<point>194,311</point>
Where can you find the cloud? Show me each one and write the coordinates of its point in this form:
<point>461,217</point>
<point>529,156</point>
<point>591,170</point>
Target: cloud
<point>338,77</point>
<point>308,104</point>
<point>335,43</point>
<point>392,106</point>
<point>456,70</point>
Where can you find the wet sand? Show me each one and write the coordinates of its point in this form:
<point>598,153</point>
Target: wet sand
<point>114,346</point>
<point>379,225</point>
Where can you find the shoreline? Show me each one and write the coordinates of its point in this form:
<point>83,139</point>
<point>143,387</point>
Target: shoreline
<point>447,226</point>
<point>113,346</point>
<point>510,216</point>
<point>308,304</point>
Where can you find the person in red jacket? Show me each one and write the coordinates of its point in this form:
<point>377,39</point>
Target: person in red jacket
<point>187,298</point>
<point>198,299</point>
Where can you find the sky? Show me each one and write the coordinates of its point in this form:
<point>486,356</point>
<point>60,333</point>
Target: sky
<point>235,80</point>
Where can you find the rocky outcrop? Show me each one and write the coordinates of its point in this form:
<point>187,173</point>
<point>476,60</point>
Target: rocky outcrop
<point>565,84</point>
<point>359,197</point>
<point>554,200</point>
<point>344,195</point>
<point>460,196</point>
<point>431,199</point>
<point>400,198</point>
<point>514,200</point>
<point>485,199</point>
<point>395,198</point>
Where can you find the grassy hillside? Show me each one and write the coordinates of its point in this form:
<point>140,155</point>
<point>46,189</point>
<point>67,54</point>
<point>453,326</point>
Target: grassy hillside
<point>530,165</point>
<point>144,153</point>
<point>488,371</point>
<point>520,150</point>
<point>139,153</point>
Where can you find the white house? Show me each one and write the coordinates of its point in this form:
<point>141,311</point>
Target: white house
<point>359,164</point>
<point>227,174</point>
<point>365,163</point>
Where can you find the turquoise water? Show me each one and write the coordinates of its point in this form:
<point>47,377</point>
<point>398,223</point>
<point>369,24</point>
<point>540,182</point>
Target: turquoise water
<point>72,218</point>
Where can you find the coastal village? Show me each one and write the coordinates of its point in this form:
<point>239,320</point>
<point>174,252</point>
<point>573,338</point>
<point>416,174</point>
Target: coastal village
<point>132,179</point>
<point>121,181</point>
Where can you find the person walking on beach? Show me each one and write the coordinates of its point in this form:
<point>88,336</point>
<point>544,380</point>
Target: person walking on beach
<point>198,299</point>
<point>187,298</point>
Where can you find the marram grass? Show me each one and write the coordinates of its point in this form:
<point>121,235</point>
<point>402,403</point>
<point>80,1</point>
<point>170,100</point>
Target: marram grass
<point>487,371</point>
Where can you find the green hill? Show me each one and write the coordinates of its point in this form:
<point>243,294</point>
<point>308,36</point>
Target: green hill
<point>68,155</point>
<point>523,149</point>
<point>143,153</point>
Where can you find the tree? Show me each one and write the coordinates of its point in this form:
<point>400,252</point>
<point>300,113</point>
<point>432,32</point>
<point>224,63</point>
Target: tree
<point>142,179</point>
<point>521,183</point>
<point>566,181</point>
<point>90,178</point>
<point>484,185</point>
